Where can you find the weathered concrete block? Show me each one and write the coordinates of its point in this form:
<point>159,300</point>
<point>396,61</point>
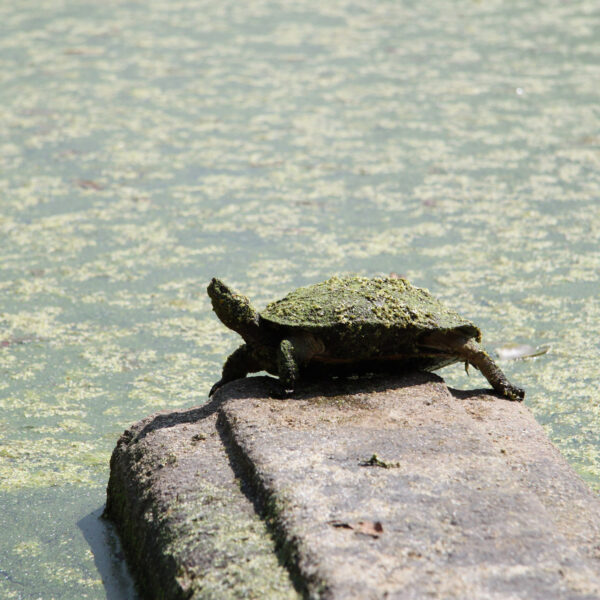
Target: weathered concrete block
<point>373,488</point>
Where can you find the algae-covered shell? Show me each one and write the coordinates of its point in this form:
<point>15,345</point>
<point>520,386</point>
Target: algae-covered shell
<point>358,309</point>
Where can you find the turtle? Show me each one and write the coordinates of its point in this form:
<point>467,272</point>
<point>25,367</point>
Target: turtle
<point>350,325</point>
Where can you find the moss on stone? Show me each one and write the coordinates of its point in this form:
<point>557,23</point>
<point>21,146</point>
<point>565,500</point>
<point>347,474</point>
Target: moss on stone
<point>186,527</point>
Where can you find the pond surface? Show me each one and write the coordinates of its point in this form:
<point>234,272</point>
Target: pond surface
<point>148,146</point>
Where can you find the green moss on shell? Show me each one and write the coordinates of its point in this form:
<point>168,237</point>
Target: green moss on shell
<point>356,302</point>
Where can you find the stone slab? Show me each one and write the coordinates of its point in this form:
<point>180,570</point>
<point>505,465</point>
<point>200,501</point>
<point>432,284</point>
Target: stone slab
<point>475,501</point>
<point>373,488</point>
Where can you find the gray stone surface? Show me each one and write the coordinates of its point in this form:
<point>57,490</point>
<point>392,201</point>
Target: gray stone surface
<point>374,488</point>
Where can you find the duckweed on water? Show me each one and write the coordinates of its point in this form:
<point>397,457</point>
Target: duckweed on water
<point>384,142</point>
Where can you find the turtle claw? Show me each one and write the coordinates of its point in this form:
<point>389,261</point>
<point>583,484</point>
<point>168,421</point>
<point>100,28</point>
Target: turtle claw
<point>215,387</point>
<point>279,391</point>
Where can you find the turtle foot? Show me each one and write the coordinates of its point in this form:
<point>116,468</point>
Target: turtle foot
<point>512,392</point>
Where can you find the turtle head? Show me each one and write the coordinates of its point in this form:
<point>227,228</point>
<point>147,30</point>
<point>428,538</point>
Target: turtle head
<point>234,310</point>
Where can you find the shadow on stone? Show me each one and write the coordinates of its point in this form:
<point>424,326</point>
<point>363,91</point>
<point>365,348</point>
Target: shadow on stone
<point>482,394</point>
<point>175,418</point>
<point>264,386</point>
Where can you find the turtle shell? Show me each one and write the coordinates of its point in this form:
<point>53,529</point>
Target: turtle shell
<point>365,318</point>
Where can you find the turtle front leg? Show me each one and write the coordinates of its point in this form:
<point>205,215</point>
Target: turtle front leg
<point>237,366</point>
<point>475,355</point>
<point>292,353</point>
<point>287,365</point>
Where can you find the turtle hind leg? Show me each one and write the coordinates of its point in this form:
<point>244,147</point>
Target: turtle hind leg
<point>237,366</point>
<point>472,353</point>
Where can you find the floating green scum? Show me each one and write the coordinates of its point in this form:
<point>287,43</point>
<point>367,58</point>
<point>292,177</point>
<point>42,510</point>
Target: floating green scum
<point>350,325</point>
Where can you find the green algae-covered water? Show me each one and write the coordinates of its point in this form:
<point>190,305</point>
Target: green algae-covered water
<point>148,146</point>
